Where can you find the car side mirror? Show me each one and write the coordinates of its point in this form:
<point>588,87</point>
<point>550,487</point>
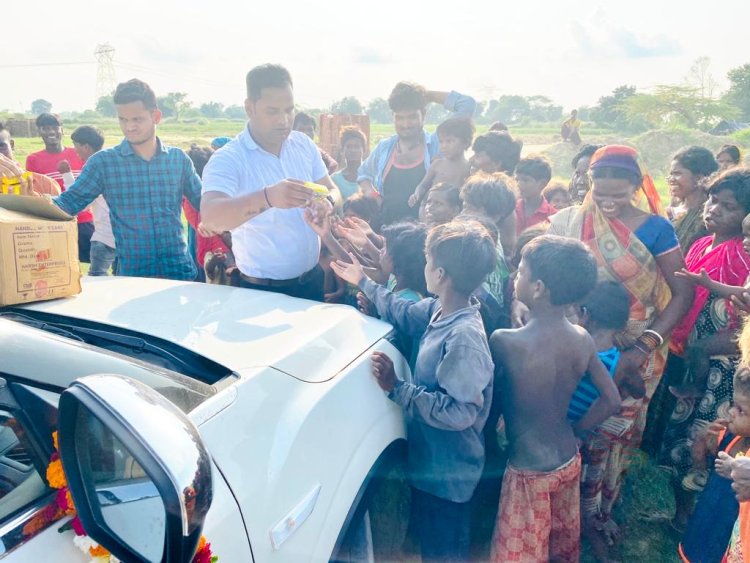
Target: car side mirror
<point>137,468</point>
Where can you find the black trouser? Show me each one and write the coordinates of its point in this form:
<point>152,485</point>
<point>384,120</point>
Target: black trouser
<point>442,527</point>
<point>307,286</point>
<point>85,230</point>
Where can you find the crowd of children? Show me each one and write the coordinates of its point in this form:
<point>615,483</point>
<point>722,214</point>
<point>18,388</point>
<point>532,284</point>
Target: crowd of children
<point>538,348</point>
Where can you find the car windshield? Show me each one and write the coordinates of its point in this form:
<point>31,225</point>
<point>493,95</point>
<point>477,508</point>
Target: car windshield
<point>180,375</point>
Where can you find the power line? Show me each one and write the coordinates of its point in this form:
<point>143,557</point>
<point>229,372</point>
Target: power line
<point>202,80</point>
<point>29,65</point>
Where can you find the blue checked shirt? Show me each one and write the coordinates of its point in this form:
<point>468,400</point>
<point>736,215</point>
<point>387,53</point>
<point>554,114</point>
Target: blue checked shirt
<point>145,207</point>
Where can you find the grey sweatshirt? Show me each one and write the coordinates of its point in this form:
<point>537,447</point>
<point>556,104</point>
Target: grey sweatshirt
<point>449,400</point>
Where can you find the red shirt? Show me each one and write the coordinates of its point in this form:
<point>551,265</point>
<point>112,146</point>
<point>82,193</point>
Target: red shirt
<point>44,162</point>
<point>203,244</point>
<point>542,214</point>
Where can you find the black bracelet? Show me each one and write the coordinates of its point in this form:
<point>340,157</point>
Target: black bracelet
<point>265,195</point>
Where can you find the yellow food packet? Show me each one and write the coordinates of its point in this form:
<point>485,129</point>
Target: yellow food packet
<point>320,191</point>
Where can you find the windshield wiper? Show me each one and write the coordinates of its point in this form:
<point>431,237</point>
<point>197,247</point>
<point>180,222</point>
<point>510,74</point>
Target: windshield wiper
<point>134,343</point>
<point>42,325</point>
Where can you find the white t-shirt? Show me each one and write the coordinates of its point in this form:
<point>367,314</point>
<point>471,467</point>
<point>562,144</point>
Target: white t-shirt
<point>102,224</point>
<point>277,244</point>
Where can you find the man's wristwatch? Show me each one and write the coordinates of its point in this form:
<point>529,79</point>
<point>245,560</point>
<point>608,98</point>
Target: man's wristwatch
<point>332,201</point>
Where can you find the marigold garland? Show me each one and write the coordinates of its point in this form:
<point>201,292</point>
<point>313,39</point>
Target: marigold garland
<point>64,506</point>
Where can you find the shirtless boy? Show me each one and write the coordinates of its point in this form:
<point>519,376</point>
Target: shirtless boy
<point>454,135</point>
<point>538,369</point>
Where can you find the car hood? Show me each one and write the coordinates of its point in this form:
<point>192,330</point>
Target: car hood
<point>235,327</point>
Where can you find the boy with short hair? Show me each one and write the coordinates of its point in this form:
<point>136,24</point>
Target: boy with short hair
<point>448,402</point>
<point>454,136</point>
<point>88,141</point>
<point>54,161</point>
<point>538,369</point>
<point>533,173</point>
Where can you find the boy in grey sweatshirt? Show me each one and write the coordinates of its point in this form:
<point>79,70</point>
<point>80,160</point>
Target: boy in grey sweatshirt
<point>449,399</point>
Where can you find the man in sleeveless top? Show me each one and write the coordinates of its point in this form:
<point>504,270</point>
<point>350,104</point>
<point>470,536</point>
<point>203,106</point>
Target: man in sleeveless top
<point>397,164</point>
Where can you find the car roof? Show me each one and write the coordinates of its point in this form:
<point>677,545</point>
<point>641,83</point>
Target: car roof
<point>235,327</point>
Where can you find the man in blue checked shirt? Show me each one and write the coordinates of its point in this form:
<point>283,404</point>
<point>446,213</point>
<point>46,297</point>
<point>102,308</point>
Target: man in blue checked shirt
<point>143,182</point>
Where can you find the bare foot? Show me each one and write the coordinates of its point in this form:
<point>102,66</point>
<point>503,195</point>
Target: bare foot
<point>611,531</point>
<point>686,391</point>
<point>600,541</point>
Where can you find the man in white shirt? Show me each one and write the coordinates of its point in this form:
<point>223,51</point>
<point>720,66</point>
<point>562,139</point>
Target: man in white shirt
<point>254,188</point>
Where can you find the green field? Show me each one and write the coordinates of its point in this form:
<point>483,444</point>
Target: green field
<point>654,146</point>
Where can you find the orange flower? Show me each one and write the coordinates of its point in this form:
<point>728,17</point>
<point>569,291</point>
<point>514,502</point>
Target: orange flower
<point>201,543</point>
<point>98,551</point>
<point>56,475</point>
<point>54,439</point>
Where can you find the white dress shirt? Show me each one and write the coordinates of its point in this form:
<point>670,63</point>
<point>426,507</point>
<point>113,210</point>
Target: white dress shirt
<point>277,244</point>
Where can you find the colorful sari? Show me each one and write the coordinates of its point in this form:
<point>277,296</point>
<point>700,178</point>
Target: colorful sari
<point>711,314</point>
<point>621,257</point>
<point>727,263</point>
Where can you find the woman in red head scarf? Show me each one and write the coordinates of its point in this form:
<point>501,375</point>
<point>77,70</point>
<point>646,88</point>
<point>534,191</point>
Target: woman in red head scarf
<point>621,221</point>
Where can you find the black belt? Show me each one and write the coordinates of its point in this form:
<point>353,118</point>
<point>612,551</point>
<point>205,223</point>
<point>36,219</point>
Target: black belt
<point>276,283</point>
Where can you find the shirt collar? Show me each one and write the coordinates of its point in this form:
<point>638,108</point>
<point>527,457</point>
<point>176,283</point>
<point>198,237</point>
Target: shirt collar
<point>250,144</point>
<point>127,150</point>
<point>472,310</point>
<point>247,139</point>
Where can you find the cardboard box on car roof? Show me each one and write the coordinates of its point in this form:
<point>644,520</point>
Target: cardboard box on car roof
<point>38,251</point>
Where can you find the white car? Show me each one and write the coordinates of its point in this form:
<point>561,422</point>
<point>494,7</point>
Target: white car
<point>186,409</point>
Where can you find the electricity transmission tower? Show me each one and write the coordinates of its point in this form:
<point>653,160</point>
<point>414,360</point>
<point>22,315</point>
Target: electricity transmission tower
<point>105,70</point>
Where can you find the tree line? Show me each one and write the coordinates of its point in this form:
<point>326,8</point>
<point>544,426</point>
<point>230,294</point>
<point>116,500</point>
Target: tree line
<point>694,103</point>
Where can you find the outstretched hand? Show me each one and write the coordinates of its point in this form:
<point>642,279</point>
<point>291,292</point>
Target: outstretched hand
<point>319,223</point>
<point>382,369</point>
<point>363,225</point>
<point>352,273</point>
<point>701,279</point>
<point>353,232</point>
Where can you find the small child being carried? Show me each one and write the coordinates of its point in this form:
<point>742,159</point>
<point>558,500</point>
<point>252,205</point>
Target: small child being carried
<point>455,136</point>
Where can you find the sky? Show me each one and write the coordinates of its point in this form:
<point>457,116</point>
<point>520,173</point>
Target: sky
<point>573,52</point>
